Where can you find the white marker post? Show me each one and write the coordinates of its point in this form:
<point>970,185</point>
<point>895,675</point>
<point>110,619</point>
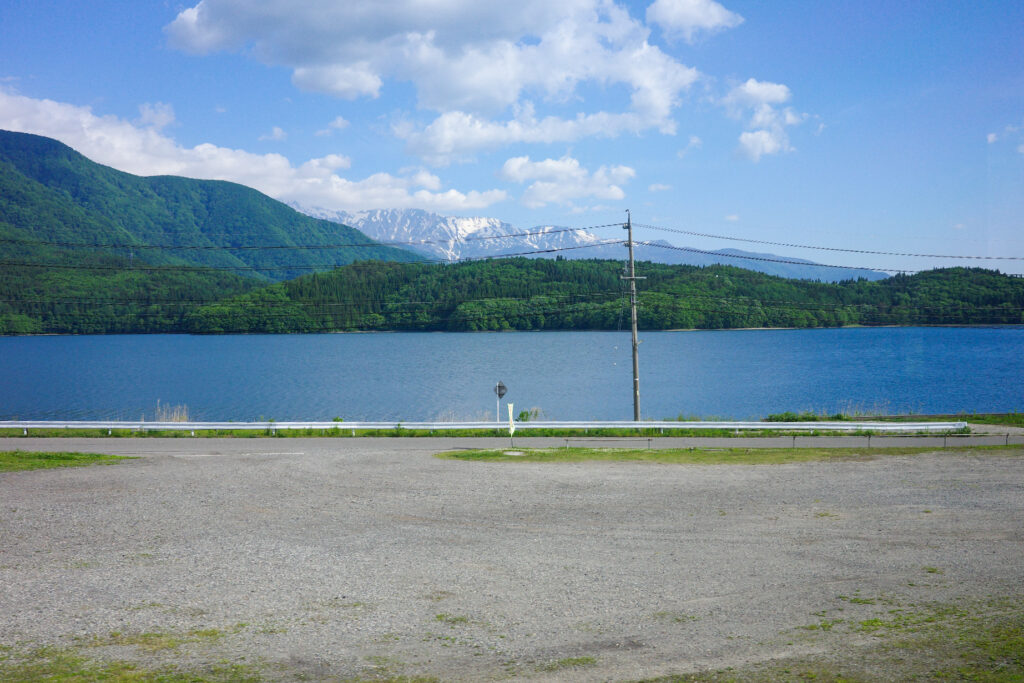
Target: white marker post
<point>511,426</point>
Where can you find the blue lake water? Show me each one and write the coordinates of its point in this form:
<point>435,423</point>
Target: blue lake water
<point>737,374</point>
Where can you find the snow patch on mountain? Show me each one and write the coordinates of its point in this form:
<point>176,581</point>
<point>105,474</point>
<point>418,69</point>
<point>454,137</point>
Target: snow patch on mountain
<point>451,238</point>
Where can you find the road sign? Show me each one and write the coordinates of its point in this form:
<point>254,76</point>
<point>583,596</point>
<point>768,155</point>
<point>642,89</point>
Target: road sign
<point>501,390</point>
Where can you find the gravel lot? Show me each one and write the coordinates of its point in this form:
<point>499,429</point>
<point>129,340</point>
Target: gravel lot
<point>368,557</point>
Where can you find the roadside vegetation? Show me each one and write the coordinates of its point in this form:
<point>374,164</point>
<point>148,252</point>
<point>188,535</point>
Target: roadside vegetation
<point>1014,419</point>
<point>12,461</point>
<point>343,432</point>
<point>709,456</point>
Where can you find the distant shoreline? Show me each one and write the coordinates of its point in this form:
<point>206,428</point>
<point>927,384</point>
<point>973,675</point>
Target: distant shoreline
<point>642,331</point>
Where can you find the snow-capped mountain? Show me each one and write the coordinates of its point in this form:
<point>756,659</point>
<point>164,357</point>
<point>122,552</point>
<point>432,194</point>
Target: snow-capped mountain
<point>451,238</point>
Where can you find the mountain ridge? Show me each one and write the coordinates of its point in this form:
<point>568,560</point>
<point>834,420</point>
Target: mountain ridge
<point>451,238</point>
<point>52,196</point>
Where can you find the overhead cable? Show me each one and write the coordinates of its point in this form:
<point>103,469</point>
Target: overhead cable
<point>809,246</point>
<point>270,269</point>
<point>771,260</point>
<point>271,247</point>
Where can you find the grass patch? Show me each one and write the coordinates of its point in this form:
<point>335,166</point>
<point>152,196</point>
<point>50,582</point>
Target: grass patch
<point>979,641</point>
<point>569,663</point>
<point>155,642</point>
<point>675,617</point>
<point>13,461</point>
<point>806,416</point>
<point>708,456</point>
<point>451,619</point>
<point>60,666</point>
<point>1014,419</point>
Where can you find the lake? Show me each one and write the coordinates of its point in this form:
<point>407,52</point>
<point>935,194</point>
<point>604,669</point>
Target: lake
<point>736,374</point>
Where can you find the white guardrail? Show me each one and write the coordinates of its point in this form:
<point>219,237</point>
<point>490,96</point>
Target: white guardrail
<point>520,426</point>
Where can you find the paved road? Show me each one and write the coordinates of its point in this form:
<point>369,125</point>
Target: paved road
<point>366,557</point>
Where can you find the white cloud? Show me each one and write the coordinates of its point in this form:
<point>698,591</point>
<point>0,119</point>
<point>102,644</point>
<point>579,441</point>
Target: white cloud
<point>349,82</point>
<point>156,115</point>
<point>754,93</point>
<point>339,123</point>
<point>658,187</point>
<point>559,181</point>
<point>144,151</point>
<point>756,144</point>
<point>687,17</point>
<point>329,163</point>
<point>456,135</point>
<point>468,60</point>
<point>277,134</point>
<point>694,143</point>
<point>767,124</point>
<point>1009,132</point>
<point>461,54</point>
<point>732,217</point>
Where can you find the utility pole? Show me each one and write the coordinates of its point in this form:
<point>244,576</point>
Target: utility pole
<point>632,305</point>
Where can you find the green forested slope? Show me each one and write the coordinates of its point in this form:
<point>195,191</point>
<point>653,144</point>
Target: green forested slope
<point>528,294</point>
<point>50,193</point>
<point>73,232</point>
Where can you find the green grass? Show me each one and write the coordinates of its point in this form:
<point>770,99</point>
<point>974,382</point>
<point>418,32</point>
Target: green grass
<point>451,619</point>
<point>347,432</point>
<point>1013,419</point>
<point>68,666</point>
<point>569,663</point>
<point>11,461</point>
<point>807,416</point>
<point>705,456</point>
<point>976,641</point>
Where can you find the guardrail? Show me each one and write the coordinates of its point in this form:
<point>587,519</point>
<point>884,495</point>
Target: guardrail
<point>520,426</point>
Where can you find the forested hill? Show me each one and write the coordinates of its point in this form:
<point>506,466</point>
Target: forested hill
<point>54,201</point>
<point>77,243</point>
<point>524,294</point>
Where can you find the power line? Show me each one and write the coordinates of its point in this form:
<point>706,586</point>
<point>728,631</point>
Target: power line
<point>848,251</point>
<point>773,260</point>
<point>295,247</point>
<point>311,267</point>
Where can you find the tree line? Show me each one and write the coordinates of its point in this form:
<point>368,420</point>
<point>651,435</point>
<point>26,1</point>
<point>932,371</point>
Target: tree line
<point>529,294</point>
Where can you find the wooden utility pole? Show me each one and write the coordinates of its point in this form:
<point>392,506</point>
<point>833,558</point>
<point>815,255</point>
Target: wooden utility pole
<point>632,305</point>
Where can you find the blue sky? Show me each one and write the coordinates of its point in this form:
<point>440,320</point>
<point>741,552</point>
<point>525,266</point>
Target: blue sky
<point>869,125</point>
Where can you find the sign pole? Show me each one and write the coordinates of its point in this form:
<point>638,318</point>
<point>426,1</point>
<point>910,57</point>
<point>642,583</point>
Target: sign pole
<point>499,389</point>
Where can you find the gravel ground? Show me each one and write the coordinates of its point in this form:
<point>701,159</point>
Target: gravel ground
<point>368,557</point>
